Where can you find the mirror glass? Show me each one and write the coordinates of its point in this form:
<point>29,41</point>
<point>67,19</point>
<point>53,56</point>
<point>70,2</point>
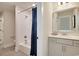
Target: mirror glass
<point>65,23</point>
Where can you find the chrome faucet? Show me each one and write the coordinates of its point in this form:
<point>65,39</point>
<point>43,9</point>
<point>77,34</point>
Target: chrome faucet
<point>25,39</point>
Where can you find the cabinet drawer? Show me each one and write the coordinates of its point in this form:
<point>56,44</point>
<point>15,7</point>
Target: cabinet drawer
<point>76,43</point>
<point>52,39</point>
<point>65,41</point>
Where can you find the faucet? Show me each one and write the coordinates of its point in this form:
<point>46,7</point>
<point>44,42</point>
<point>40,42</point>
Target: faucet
<point>25,39</point>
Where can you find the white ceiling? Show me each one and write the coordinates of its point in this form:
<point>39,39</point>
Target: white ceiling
<point>11,5</point>
<point>16,3</point>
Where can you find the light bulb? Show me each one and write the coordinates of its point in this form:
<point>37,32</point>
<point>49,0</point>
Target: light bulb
<point>33,5</point>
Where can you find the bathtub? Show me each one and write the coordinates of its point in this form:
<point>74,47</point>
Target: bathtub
<point>24,48</point>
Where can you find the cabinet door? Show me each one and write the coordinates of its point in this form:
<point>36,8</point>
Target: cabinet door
<point>54,49</point>
<point>70,50</point>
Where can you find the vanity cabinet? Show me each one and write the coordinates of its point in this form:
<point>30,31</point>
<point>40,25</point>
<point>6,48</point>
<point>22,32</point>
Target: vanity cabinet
<point>63,47</point>
<point>54,48</point>
<point>70,50</point>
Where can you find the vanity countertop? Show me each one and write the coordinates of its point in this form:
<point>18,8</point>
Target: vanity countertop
<point>75,37</point>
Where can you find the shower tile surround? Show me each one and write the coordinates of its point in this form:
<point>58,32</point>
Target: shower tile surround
<point>8,29</point>
<point>7,32</point>
<point>1,28</point>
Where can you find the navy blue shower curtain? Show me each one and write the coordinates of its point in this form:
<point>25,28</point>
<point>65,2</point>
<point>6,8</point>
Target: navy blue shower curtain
<point>33,51</point>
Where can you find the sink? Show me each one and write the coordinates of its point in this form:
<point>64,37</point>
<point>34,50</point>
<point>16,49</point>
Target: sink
<point>59,34</point>
<point>54,33</point>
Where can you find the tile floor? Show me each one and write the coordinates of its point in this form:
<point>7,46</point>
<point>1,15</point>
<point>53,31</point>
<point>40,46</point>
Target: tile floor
<point>10,52</point>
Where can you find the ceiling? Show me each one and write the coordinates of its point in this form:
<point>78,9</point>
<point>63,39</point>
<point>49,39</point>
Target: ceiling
<point>11,5</point>
<point>16,3</point>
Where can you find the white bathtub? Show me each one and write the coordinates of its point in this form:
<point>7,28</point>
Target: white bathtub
<point>24,48</point>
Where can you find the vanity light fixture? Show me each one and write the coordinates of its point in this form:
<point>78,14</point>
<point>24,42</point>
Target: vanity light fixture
<point>33,4</point>
<point>61,3</point>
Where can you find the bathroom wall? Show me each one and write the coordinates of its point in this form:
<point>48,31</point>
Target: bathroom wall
<point>39,29</point>
<point>44,26</point>
<point>9,28</point>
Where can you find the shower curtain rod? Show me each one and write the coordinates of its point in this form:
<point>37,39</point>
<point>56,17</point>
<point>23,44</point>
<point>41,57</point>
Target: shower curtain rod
<point>27,9</point>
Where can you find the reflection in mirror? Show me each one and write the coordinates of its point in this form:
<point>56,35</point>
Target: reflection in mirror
<point>65,23</point>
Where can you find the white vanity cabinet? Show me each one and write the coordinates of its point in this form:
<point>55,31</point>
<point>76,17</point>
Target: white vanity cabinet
<point>63,47</point>
<point>70,50</point>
